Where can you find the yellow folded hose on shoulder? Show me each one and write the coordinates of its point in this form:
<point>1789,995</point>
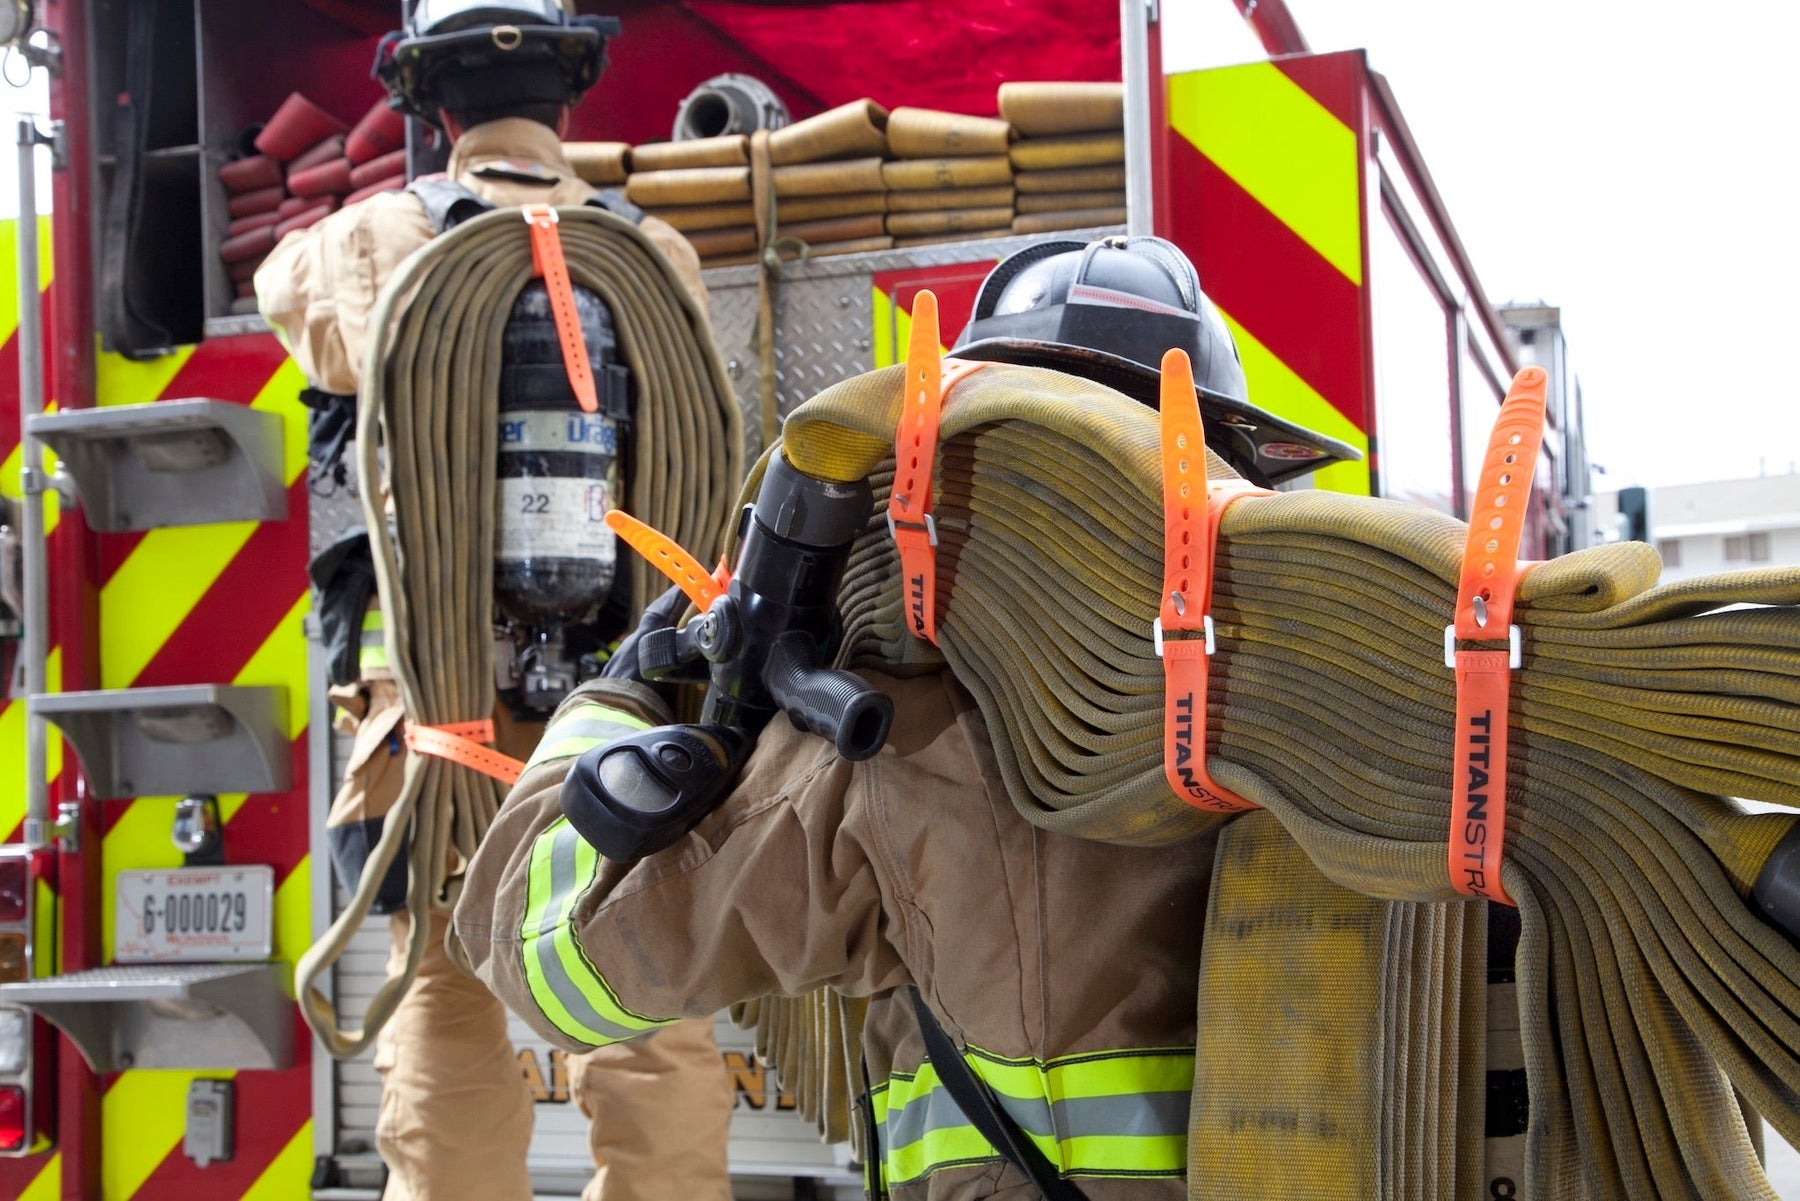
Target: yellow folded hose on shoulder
<point>1342,981</point>
<point>427,423</point>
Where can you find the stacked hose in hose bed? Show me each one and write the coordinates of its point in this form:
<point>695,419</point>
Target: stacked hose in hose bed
<point>427,423</point>
<point>1647,986</point>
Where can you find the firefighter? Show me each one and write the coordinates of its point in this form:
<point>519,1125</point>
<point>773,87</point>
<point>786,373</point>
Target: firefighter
<point>455,1120</point>
<point>1066,967</point>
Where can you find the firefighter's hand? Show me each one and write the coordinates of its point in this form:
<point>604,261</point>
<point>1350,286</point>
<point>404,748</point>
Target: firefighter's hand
<point>660,614</point>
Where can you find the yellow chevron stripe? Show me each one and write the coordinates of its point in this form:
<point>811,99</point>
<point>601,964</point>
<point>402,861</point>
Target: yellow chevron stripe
<point>282,395</point>
<point>1281,146</point>
<point>15,462</point>
<point>884,345</point>
<point>293,912</point>
<point>121,381</point>
<point>47,1186</point>
<point>146,1111</point>
<point>9,260</point>
<point>1277,389</point>
<point>155,588</point>
<point>12,748</point>
<point>288,1174</point>
<point>281,659</point>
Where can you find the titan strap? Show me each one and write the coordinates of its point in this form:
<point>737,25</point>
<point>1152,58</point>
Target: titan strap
<point>667,556</point>
<point>1647,988</point>
<point>547,263</point>
<point>1183,632</point>
<point>433,357</point>
<point>985,1113</point>
<point>468,743</point>
<point>929,378</point>
<point>1484,606</point>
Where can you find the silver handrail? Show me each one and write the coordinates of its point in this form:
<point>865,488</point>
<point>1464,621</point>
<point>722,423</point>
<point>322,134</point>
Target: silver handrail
<point>34,648</point>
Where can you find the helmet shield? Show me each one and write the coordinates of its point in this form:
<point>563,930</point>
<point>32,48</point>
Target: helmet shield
<point>466,55</point>
<point>1108,311</point>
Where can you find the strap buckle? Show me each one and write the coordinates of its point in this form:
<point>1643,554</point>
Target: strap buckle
<point>1515,647</point>
<point>1206,634</point>
<point>929,526</point>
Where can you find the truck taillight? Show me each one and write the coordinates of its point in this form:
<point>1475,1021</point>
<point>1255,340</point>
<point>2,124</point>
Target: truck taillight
<point>15,1040</point>
<point>14,1115</point>
<point>24,1044</point>
<point>14,963</point>
<point>15,889</point>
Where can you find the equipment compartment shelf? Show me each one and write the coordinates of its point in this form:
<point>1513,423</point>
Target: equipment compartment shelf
<point>171,741</point>
<point>199,1015</point>
<point>172,462</point>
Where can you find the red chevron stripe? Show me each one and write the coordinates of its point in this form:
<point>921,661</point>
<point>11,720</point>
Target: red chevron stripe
<point>271,827</point>
<point>234,369</point>
<point>271,1109</point>
<point>9,374</point>
<point>1334,80</point>
<point>1258,270</point>
<point>236,614</point>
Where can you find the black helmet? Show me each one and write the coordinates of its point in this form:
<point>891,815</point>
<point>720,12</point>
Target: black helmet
<point>1108,311</point>
<point>475,56</point>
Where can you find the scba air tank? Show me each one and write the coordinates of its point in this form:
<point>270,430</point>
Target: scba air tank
<point>559,467</point>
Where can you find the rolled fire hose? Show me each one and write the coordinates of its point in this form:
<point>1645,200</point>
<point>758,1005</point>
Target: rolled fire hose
<point>428,424</point>
<point>1337,950</point>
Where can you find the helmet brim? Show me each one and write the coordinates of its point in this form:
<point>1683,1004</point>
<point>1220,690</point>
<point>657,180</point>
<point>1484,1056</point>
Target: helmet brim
<point>1261,446</point>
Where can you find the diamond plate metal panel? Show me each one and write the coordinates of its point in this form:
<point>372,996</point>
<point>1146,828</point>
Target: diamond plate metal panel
<point>825,315</point>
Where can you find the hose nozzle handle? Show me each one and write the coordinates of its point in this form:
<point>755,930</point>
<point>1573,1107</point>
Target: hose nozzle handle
<point>831,704</point>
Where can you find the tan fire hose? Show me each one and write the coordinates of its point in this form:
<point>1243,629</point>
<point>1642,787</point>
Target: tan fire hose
<point>1341,999</point>
<point>427,423</point>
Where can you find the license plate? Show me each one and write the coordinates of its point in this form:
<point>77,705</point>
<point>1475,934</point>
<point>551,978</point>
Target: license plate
<point>194,913</point>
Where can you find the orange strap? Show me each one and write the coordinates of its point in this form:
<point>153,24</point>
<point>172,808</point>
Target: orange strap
<point>1183,629</point>
<point>929,378</point>
<point>1484,609</point>
<point>547,262</point>
<point>702,587</point>
<point>462,742</point>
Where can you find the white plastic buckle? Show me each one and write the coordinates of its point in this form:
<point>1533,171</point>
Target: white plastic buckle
<point>1515,647</point>
<point>928,525</point>
<point>533,211</point>
<point>1206,625</point>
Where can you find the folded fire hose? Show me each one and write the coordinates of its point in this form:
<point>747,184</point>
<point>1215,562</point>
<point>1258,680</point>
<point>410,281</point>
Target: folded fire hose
<point>428,424</point>
<point>1342,999</point>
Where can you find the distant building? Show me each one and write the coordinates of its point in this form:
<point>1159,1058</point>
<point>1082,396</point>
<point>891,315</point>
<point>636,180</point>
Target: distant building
<point>1536,336</point>
<point>1722,525</point>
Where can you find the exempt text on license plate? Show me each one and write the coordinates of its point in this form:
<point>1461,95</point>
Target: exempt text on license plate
<point>194,913</point>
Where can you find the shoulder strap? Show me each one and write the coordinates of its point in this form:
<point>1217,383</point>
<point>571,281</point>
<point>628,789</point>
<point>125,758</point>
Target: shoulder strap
<point>984,1113</point>
<point>447,202</point>
<point>613,201</point>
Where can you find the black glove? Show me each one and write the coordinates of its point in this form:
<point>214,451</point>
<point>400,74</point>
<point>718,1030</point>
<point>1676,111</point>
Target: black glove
<point>659,615</point>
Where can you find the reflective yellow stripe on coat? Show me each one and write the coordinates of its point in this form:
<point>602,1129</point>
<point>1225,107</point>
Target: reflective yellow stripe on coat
<point>1120,1113</point>
<point>564,983</point>
<point>566,986</point>
<point>372,649</point>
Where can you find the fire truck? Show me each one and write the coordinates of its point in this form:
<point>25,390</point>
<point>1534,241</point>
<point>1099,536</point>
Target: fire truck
<point>166,755</point>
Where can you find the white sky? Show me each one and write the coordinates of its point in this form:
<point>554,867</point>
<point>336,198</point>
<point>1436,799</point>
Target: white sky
<point>1630,162</point>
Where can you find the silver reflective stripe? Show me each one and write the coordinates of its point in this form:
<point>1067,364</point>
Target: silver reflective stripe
<point>553,937</point>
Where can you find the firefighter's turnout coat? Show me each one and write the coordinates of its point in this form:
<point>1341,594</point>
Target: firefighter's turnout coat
<point>1065,968</point>
<point>455,1118</point>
